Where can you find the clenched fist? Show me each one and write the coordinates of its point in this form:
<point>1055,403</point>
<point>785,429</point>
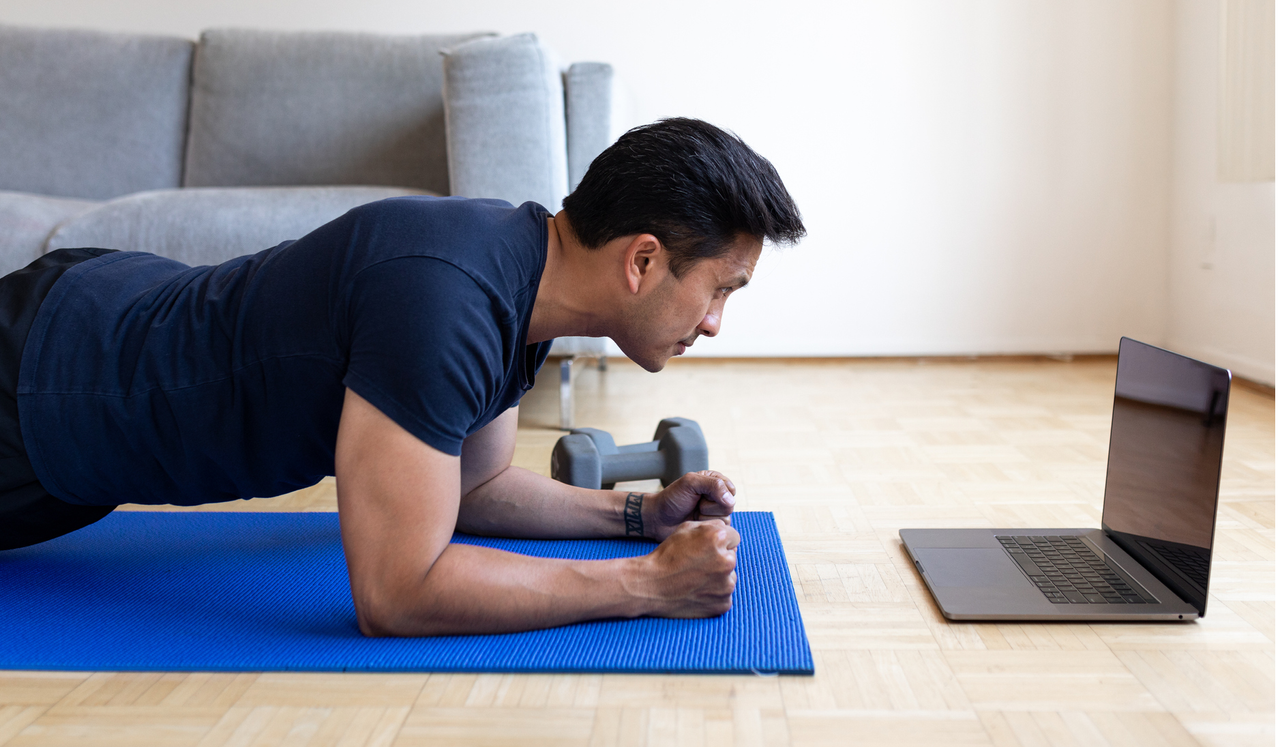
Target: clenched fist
<point>697,496</point>
<point>692,573</point>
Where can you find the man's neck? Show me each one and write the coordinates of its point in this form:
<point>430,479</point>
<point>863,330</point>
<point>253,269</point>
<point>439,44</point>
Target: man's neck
<point>569,302</point>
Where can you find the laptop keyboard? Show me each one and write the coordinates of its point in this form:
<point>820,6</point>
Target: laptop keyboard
<point>1068,572</point>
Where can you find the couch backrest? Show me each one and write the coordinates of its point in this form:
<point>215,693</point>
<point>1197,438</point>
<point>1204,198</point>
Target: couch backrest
<point>505,109</point>
<point>312,108</point>
<point>589,101</point>
<point>89,114</point>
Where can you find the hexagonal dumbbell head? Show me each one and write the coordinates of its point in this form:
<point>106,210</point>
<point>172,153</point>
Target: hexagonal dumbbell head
<point>667,424</point>
<point>575,461</point>
<point>685,450</point>
<point>604,446</point>
<point>602,439</point>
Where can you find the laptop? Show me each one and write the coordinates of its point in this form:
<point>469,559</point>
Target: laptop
<point>1150,559</point>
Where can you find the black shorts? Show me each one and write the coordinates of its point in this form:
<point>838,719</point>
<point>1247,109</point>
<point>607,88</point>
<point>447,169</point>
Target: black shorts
<point>28,514</point>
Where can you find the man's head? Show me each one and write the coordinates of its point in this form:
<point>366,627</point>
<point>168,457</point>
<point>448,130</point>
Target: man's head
<point>695,187</point>
<point>690,205</point>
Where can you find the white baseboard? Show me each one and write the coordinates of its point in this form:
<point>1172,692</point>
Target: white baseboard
<point>1263,372</point>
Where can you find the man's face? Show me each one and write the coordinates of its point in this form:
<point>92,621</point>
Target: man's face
<point>675,312</point>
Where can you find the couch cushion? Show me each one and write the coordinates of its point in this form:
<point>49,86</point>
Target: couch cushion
<point>504,107</point>
<point>26,221</point>
<point>589,110</point>
<point>309,108</point>
<point>89,114</point>
<point>208,226</point>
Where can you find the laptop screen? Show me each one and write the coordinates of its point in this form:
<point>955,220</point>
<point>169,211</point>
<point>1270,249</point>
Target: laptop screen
<point>1167,429</point>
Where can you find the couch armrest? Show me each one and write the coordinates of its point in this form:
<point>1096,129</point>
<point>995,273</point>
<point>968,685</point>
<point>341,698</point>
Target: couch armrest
<point>505,121</point>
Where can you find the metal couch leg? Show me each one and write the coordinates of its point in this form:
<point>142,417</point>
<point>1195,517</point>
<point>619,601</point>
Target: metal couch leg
<point>566,394</point>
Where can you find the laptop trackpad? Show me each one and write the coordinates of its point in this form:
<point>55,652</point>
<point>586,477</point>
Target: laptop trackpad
<point>970,567</point>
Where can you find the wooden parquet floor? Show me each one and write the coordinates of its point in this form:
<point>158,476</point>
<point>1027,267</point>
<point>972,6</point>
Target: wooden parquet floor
<point>844,453</point>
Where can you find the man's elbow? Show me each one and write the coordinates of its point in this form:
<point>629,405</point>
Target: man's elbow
<point>382,610</point>
<point>375,624</point>
<point>388,615</point>
<point>377,615</point>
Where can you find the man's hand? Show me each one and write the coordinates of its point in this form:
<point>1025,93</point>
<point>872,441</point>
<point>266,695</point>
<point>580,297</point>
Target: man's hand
<point>691,574</point>
<point>695,497</point>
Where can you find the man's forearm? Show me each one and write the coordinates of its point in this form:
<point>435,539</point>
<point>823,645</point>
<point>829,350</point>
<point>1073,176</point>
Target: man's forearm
<point>472,590</point>
<point>520,503</point>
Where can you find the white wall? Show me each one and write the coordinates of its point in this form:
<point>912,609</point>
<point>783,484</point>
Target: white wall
<point>1222,253</point>
<point>986,176</point>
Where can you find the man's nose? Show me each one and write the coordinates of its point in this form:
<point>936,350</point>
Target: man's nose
<point>710,325</point>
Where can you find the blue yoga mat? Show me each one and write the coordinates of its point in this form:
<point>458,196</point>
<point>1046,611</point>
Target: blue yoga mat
<point>214,591</point>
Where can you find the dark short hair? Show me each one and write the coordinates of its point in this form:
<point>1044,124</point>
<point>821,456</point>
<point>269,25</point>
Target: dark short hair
<point>694,186</point>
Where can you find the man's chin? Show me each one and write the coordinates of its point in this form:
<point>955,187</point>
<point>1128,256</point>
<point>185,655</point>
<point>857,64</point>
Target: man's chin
<point>653,365</point>
<point>649,363</point>
<point>652,361</point>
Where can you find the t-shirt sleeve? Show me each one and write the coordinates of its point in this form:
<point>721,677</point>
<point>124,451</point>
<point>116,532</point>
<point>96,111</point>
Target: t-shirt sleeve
<point>426,347</point>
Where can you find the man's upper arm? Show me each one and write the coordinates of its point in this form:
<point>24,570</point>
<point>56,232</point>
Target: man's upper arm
<point>397,504</point>
<point>488,451</point>
<point>425,348</point>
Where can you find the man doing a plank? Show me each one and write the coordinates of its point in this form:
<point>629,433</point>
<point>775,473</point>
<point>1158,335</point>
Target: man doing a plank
<point>390,348</point>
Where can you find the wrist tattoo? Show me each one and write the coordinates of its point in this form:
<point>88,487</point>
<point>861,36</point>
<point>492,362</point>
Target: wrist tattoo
<point>631,515</point>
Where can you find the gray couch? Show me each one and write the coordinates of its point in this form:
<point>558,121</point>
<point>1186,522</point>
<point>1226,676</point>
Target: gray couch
<point>203,151</point>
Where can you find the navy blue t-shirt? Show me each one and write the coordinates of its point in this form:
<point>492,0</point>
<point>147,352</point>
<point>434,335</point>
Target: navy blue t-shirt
<point>148,381</point>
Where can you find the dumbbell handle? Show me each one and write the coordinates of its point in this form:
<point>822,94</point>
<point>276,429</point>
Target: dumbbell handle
<point>632,465</point>
<point>637,448</point>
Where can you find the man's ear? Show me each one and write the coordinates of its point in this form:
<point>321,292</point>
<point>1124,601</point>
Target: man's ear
<point>644,256</point>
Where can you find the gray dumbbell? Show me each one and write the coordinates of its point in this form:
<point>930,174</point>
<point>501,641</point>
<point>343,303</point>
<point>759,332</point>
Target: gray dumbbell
<point>588,458</point>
